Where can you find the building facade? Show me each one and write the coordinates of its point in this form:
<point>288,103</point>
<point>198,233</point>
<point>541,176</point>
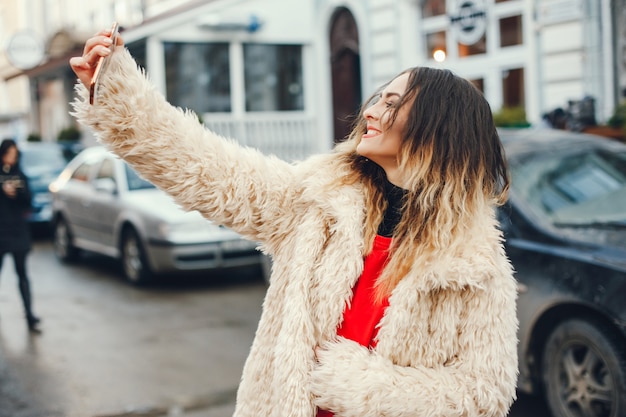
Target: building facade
<point>37,38</point>
<point>288,76</point>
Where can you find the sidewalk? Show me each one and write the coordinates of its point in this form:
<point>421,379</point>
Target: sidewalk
<point>218,404</point>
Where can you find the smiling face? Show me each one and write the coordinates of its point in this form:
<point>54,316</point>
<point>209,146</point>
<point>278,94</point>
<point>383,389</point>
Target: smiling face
<point>382,141</point>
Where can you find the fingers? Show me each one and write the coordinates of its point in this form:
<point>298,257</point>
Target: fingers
<point>79,63</point>
<point>84,66</point>
<point>95,47</point>
<point>99,45</point>
<point>95,42</point>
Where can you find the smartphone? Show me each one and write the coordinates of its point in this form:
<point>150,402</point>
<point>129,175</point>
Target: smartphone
<point>101,65</point>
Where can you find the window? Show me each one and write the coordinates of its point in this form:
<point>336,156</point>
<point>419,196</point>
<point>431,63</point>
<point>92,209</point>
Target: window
<point>573,187</point>
<point>135,182</point>
<point>82,172</point>
<point>138,51</point>
<point>513,88</point>
<point>480,47</point>
<point>44,159</point>
<point>273,77</point>
<point>436,42</point>
<point>197,76</point>
<point>432,8</point>
<point>106,170</point>
<point>479,83</point>
<point>511,31</point>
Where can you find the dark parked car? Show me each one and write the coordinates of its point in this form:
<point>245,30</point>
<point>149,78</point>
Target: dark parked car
<point>41,163</point>
<point>565,230</point>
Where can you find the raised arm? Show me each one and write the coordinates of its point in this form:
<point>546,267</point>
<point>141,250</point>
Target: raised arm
<point>229,184</point>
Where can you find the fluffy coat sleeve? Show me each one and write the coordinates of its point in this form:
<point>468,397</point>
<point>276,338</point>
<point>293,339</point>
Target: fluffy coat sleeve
<point>226,182</point>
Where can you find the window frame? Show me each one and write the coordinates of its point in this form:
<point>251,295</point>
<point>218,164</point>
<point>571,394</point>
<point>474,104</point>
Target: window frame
<point>301,77</point>
<point>237,79</point>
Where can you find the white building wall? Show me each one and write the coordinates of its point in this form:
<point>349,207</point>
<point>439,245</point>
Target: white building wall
<point>564,54</point>
<point>561,53</point>
<point>43,19</point>
<point>11,17</point>
<point>14,96</point>
<point>574,53</point>
<point>383,51</point>
<point>620,32</point>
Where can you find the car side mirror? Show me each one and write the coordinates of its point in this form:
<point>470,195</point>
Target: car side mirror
<point>105,185</point>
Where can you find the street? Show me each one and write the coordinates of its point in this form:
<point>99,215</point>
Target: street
<point>109,350</point>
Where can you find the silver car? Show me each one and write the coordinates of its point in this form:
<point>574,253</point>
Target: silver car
<point>101,205</point>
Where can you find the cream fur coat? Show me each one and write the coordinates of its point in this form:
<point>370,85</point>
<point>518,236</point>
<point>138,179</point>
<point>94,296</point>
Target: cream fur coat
<point>447,342</point>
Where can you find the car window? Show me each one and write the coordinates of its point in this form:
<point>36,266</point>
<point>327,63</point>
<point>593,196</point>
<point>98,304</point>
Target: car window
<point>37,160</point>
<point>81,173</point>
<point>581,188</point>
<point>106,170</point>
<point>135,182</point>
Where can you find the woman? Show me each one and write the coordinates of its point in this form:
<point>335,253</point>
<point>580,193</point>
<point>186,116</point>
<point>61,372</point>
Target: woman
<point>15,201</point>
<point>390,291</point>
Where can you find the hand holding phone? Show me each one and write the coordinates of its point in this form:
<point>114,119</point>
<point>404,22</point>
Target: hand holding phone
<point>10,187</point>
<point>101,65</point>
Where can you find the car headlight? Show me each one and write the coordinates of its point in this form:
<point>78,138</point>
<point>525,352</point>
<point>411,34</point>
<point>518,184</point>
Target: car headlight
<point>189,232</point>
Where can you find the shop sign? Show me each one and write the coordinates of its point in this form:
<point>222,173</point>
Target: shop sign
<point>468,20</point>
<point>25,50</point>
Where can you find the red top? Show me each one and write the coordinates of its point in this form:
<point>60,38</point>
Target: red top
<point>363,314</point>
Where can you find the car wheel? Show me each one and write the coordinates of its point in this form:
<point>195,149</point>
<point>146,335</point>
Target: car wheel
<point>584,371</point>
<point>63,247</point>
<point>134,262</point>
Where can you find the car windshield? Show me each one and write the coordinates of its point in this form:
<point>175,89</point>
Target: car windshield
<point>135,182</point>
<point>41,159</point>
<point>574,188</point>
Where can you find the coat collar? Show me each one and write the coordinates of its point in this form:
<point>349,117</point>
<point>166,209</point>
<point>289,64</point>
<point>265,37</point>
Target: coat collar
<point>467,263</point>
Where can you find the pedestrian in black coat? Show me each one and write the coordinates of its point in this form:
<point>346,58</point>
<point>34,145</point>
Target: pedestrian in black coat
<point>15,202</point>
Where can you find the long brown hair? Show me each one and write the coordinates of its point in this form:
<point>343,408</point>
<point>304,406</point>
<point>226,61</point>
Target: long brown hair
<point>453,165</point>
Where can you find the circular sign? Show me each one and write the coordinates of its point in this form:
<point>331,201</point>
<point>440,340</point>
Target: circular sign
<point>469,20</point>
<point>25,50</point>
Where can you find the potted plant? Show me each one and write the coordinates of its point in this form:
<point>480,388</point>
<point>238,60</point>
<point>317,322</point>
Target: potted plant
<point>615,127</point>
<point>512,117</point>
<point>69,140</point>
<point>33,137</point>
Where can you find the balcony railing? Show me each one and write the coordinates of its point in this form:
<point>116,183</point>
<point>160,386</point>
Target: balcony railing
<point>288,136</point>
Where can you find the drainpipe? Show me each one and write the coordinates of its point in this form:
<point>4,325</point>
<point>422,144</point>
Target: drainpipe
<point>594,56</point>
<point>538,51</point>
